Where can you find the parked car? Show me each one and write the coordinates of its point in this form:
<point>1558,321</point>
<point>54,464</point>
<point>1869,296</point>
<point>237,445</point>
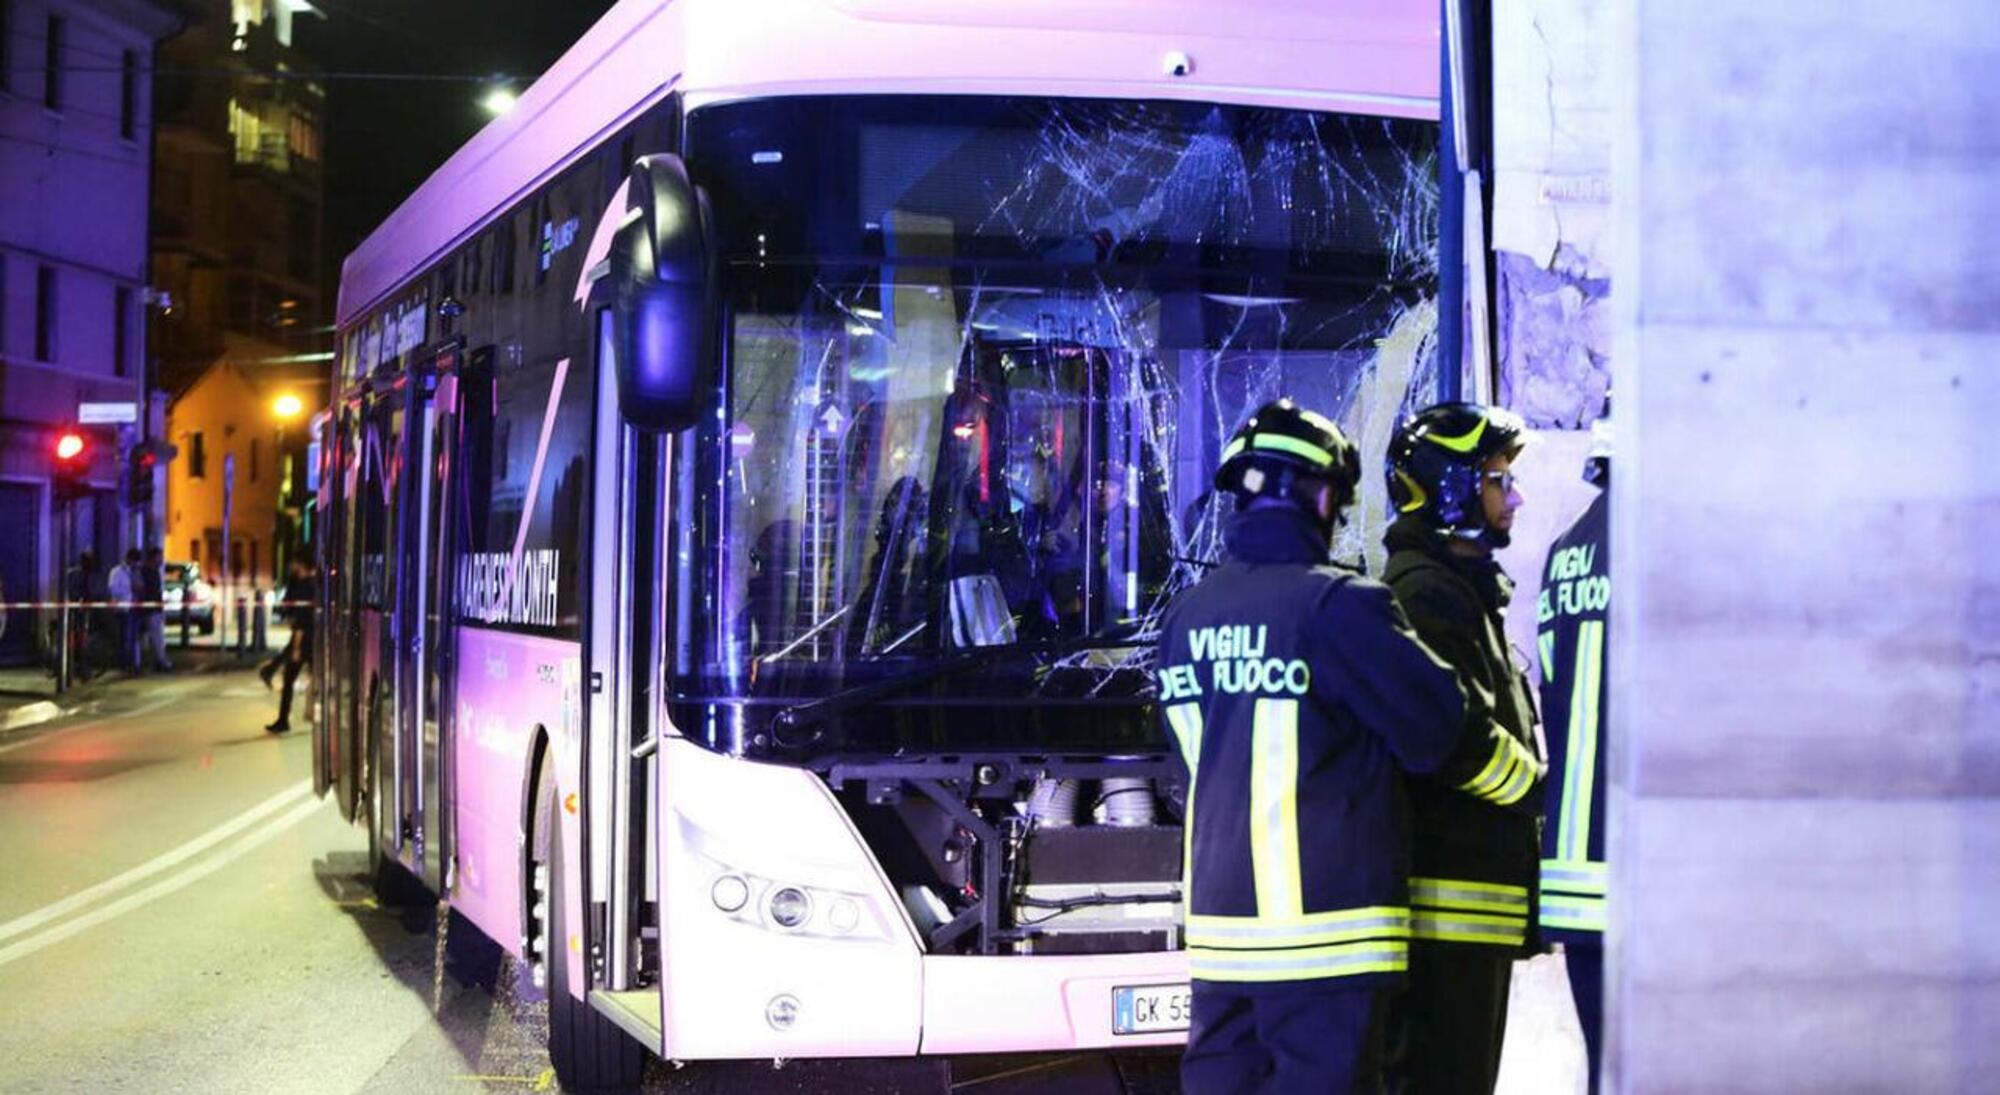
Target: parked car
<point>187,594</point>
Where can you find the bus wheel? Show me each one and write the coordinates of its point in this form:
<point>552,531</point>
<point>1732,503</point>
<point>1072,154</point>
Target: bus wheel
<point>589,1051</point>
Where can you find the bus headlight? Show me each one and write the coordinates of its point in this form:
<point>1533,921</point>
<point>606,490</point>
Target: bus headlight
<point>790,907</point>
<point>793,908</point>
<point>730,893</point>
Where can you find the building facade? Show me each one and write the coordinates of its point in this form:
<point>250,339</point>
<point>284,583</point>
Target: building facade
<point>235,472</point>
<point>75,154</point>
<point>238,201</point>
<point>237,244</point>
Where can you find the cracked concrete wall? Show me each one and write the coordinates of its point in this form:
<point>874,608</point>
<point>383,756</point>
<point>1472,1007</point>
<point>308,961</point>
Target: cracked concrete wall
<point>1552,206</point>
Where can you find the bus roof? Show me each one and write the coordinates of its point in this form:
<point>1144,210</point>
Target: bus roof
<point>1360,56</point>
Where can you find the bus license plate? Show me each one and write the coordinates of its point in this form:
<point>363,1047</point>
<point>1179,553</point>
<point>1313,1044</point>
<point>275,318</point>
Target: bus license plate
<point>1149,1009</point>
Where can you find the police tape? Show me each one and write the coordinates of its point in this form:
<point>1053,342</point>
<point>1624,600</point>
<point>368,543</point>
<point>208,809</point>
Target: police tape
<point>96,605</point>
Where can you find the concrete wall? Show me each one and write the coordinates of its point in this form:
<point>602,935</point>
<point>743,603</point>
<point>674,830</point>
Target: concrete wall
<point>1552,206</point>
<point>1806,719</point>
<point>1552,216</point>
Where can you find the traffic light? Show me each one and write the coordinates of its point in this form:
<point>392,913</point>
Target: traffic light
<point>70,454</point>
<point>141,460</point>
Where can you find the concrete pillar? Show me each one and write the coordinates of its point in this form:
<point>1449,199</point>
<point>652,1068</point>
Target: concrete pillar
<point>1806,652</point>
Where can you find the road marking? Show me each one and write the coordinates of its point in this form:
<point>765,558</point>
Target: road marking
<point>159,889</point>
<point>156,864</point>
<point>136,712</point>
<point>543,1082</point>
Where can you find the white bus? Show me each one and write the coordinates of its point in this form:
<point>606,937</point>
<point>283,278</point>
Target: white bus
<point>757,462</point>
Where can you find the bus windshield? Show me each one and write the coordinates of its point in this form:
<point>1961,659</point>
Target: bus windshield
<point>980,358</point>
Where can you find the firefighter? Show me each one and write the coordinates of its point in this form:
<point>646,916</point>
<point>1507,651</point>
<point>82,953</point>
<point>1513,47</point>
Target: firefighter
<point>1297,694</point>
<point>1476,842</point>
<point>1571,628</point>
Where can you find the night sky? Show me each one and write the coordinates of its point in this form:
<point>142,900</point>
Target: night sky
<point>384,137</point>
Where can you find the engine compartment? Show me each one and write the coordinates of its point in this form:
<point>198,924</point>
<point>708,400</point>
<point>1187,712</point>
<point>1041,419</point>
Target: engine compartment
<point>1010,854</point>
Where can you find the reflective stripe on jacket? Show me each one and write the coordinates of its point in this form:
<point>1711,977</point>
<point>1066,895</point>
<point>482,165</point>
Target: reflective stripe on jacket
<point>1571,621</point>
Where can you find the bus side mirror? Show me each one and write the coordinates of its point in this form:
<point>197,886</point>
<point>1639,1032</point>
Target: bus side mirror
<point>661,284</point>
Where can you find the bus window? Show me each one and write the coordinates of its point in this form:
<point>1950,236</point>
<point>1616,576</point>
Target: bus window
<point>975,397</point>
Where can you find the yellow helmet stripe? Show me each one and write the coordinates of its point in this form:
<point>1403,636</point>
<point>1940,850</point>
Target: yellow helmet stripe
<point>1292,445</point>
<point>1464,442</point>
<point>1418,496</point>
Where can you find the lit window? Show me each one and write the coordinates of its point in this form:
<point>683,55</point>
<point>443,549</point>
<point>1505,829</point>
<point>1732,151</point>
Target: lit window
<point>246,14</point>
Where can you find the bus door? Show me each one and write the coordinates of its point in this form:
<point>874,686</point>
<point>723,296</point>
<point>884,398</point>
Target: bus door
<point>370,554</point>
<point>623,654</point>
<point>345,686</point>
<point>424,695</point>
<point>330,747</point>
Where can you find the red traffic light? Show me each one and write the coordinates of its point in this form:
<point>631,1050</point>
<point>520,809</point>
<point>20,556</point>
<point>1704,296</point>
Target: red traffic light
<point>71,465</point>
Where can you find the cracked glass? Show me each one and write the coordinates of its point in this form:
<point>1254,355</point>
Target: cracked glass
<point>981,356</point>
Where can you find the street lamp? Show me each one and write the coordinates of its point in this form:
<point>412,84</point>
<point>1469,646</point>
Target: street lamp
<point>287,407</point>
<point>499,101</point>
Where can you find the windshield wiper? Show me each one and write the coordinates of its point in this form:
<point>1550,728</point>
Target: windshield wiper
<point>819,710</point>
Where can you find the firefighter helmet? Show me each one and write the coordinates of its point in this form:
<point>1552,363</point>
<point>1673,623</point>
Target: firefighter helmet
<point>1286,452</point>
<point>1436,459</point>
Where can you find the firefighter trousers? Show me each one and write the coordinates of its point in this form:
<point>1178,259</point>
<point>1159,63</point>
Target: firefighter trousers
<point>1454,1018</point>
<point>1302,1039</point>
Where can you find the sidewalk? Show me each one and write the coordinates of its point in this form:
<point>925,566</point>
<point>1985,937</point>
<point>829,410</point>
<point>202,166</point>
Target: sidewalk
<point>28,692</point>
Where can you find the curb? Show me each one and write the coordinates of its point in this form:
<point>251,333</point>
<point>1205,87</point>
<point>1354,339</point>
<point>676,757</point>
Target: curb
<point>86,698</point>
<point>34,714</point>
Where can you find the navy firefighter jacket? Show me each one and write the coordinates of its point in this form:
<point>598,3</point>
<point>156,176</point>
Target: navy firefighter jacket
<point>1297,691</point>
<point>1571,619</point>
<point>1474,877</point>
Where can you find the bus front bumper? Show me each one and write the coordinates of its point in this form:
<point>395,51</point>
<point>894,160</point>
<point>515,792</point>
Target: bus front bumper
<point>1021,1003</point>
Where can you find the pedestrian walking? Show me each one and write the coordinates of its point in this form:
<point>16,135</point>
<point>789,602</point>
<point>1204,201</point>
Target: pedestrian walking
<point>298,612</point>
<point>1298,693</point>
<point>1476,855</point>
<point>1573,626</point>
<point>151,589</point>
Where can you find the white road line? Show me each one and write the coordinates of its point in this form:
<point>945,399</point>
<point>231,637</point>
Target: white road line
<point>156,864</point>
<point>158,889</point>
<point>136,712</point>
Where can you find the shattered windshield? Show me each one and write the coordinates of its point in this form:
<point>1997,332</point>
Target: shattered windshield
<point>981,356</point>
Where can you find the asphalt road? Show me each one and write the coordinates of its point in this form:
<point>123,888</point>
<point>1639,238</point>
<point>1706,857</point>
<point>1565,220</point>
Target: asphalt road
<point>181,914</point>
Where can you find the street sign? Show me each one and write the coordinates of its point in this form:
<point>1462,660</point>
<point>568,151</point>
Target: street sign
<point>88,414</point>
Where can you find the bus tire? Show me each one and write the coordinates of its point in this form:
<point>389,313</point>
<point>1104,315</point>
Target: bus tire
<point>590,1053</point>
